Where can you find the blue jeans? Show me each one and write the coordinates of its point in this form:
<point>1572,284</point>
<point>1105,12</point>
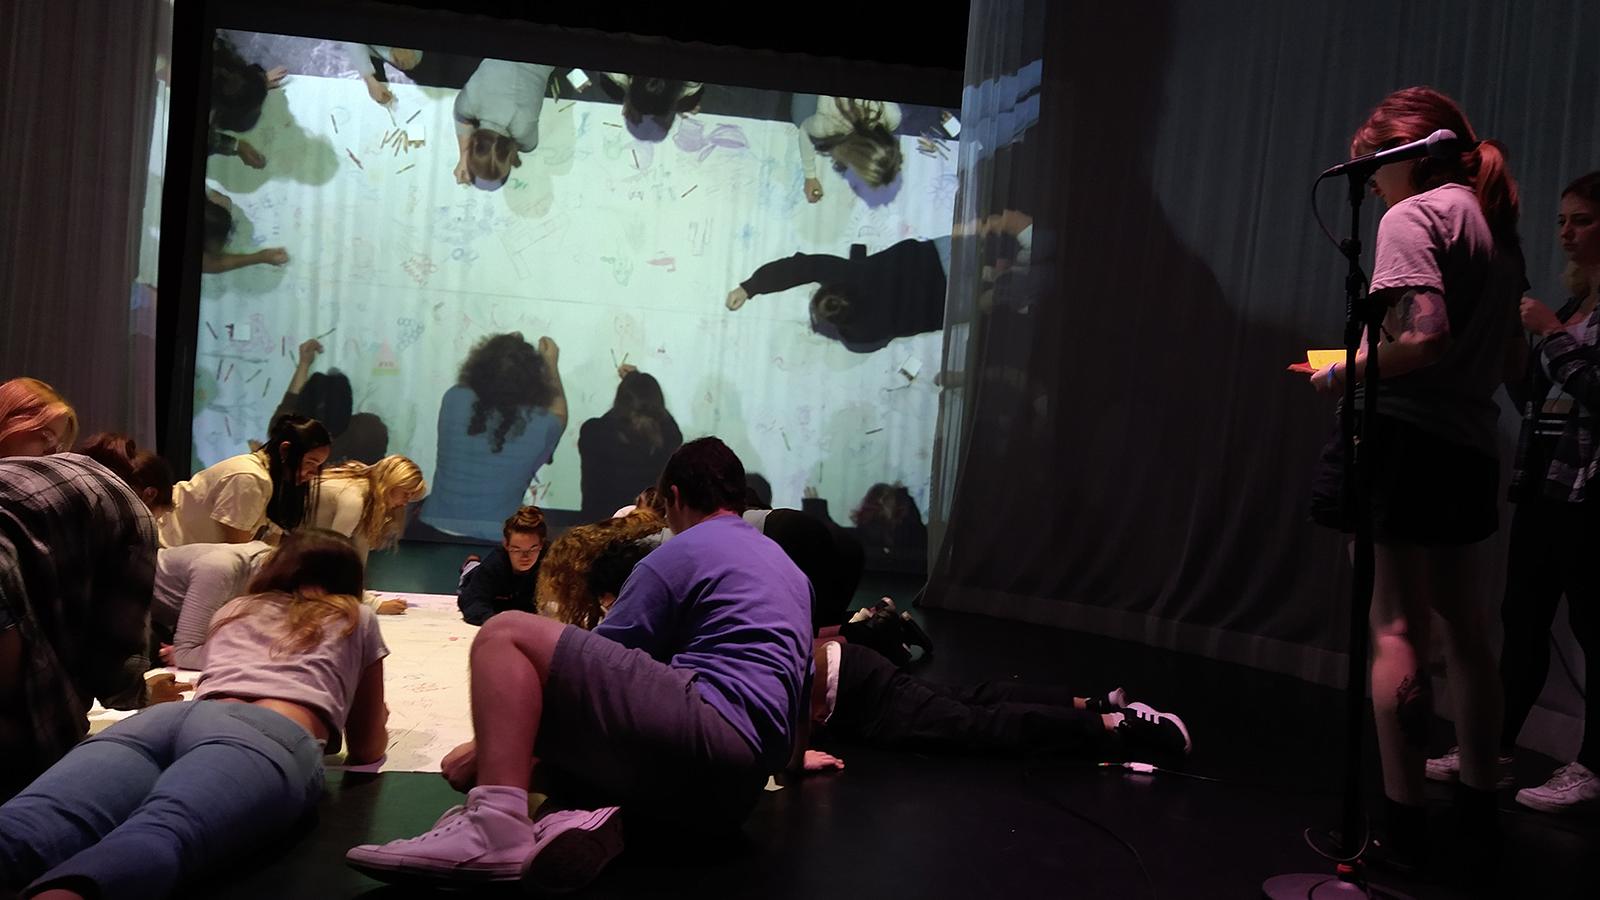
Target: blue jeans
<point>160,797</point>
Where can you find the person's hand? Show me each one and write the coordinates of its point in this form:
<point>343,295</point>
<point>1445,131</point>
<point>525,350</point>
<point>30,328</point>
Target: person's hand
<point>166,688</point>
<point>167,654</point>
<point>626,369</point>
<point>737,297</point>
<point>549,350</point>
<point>462,175</point>
<point>1326,380</point>
<point>404,59</point>
<point>378,91</point>
<point>275,76</point>
<point>308,351</point>
<point>817,761</point>
<point>810,493</point>
<point>277,256</point>
<point>250,156</point>
<point>1538,318</point>
<point>222,200</point>
<point>813,190</point>
<point>460,767</point>
<point>393,607</point>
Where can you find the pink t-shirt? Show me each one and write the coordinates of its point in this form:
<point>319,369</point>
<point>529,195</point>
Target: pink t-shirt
<point>240,661</point>
<point>1439,240</point>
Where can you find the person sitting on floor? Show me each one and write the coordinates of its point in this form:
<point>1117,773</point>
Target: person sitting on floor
<point>169,794</point>
<point>859,696</point>
<point>679,704</point>
<point>508,578</point>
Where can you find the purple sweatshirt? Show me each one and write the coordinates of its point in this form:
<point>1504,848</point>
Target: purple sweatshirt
<point>722,600</point>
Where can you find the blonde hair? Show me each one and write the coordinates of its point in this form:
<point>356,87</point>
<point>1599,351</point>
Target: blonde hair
<point>28,404</point>
<point>563,591</point>
<point>869,148</point>
<point>317,576</point>
<point>380,524</point>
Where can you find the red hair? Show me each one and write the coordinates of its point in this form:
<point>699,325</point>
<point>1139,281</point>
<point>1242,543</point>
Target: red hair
<point>1413,113</point>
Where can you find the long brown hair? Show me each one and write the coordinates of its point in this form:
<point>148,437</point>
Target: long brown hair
<point>317,576</point>
<point>563,591</point>
<point>1587,189</point>
<point>1413,113</point>
<point>642,409</point>
<point>491,156</point>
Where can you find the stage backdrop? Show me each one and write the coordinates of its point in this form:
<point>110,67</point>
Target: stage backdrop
<point>1121,450</point>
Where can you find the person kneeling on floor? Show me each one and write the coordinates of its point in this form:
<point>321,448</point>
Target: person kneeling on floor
<point>679,704</point>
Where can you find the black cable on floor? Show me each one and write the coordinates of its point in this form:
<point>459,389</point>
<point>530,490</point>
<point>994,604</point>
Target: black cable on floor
<point>1062,805</point>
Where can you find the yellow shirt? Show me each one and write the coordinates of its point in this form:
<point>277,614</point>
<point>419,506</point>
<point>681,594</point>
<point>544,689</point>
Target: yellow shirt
<point>233,492</point>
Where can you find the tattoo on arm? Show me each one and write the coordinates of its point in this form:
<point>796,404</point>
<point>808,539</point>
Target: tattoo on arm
<point>1423,316</point>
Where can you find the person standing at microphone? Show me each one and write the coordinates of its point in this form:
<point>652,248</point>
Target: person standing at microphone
<point>1450,268</point>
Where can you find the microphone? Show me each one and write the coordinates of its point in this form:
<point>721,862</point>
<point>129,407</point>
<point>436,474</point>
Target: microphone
<point>1442,144</point>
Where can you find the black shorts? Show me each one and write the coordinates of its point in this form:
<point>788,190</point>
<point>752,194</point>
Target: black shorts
<point>619,727</point>
<point>1426,491</point>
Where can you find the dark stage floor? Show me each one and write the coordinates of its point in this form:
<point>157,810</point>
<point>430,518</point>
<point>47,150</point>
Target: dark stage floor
<point>899,825</point>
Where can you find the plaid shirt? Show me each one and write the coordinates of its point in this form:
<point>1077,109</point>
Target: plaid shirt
<point>77,562</point>
<point>1557,454</point>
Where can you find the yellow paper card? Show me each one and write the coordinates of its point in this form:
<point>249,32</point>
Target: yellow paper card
<point>1321,359</point>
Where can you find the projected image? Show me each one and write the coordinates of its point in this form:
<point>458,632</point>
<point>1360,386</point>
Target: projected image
<point>538,281</point>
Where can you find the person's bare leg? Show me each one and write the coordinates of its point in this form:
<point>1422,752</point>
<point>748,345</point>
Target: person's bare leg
<point>1400,702</point>
<point>510,664</point>
<point>1476,695</point>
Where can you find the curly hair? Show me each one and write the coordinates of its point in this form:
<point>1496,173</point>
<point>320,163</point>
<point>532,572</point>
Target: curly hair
<point>564,592</point>
<point>508,378</point>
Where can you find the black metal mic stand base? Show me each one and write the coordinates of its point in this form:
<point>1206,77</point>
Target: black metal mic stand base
<point>1346,883</point>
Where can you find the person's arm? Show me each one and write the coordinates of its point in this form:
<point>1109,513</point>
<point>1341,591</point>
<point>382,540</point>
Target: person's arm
<point>689,100</point>
<point>302,370</point>
<point>1573,365</point>
<point>237,505</point>
<point>552,357</point>
<point>120,624</point>
<point>1423,340</point>
<point>810,127</point>
<point>213,263</point>
<point>793,271</point>
<point>212,583</point>
<point>476,599</point>
<point>366,732</point>
<point>642,616</point>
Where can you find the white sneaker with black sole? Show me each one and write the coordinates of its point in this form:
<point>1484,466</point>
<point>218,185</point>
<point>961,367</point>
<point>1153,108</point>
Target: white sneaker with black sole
<point>571,848</point>
<point>488,839</point>
<point>1572,788</point>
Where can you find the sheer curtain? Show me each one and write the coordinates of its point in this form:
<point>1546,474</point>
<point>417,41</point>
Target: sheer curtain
<point>78,114</point>
<point>1121,449</point>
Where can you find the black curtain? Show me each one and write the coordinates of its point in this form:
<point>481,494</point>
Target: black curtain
<point>1122,451</point>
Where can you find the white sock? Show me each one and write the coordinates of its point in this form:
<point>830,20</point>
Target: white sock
<point>503,797</point>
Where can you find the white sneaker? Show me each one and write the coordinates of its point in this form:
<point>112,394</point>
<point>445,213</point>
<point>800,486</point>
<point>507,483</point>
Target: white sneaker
<point>1572,787</point>
<point>1448,768</point>
<point>488,840</point>
<point>571,848</point>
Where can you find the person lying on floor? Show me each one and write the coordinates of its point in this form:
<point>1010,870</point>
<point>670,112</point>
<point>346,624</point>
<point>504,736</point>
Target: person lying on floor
<point>165,796</point>
<point>679,704</point>
<point>860,696</point>
<point>507,578</point>
<point>565,572</point>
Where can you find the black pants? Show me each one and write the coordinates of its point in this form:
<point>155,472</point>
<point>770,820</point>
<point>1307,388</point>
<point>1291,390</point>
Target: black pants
<point>832,561</point>
<point>881,706</point>
<point>1553,552</point>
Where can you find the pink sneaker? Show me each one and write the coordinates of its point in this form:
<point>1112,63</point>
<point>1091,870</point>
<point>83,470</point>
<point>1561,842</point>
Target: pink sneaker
<point>488,840</point>
<point>571,848</point>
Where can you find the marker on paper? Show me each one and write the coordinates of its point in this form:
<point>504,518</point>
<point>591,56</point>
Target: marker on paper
<point>335,123</point>
<point>567,107</point>
<point>785,440</point>
<point>613,125</point>
<point>255,376</point>
<point>407,168</point>
<point>635,157</point>
<point>614,363</point>
<point>354,160</point>
<point>413,116</point>
<point>875,431</point>
<point>266,387</point>
<point>328,332</point>
<point>228,424</point>
<point>229,375</point>
<point>688,192</point>
<point>283,346</point>
<point>212,330</point>
<point>219,370</point>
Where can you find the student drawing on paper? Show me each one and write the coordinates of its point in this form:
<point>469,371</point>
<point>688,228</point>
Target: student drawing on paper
<point>857,135</point>
<point>361,56</point>
<point>218,227</point>
<point>497,120</point>
<point>652,100</point>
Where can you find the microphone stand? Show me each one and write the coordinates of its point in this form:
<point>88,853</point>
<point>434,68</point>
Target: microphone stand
<point>1348,880</point>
